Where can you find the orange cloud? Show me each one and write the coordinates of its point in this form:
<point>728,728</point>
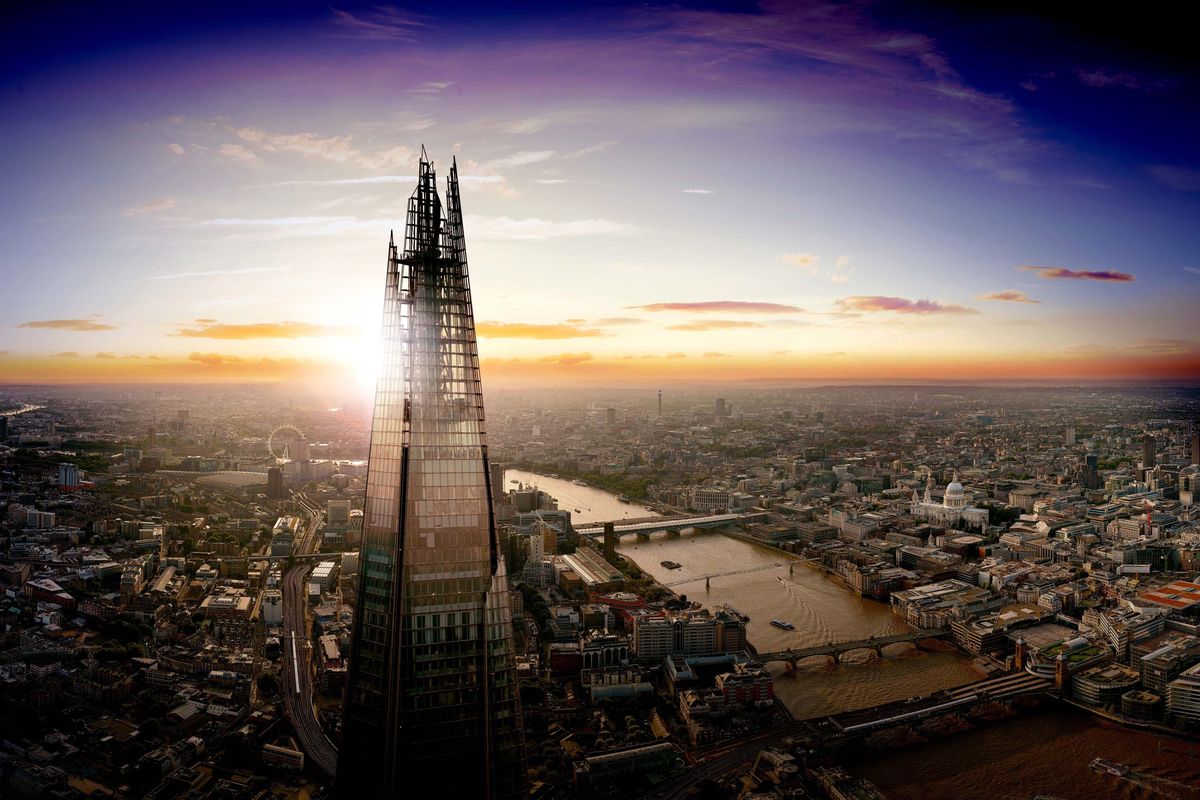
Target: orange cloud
<point>67,354</point>
<point>1055,273</point>
<point>522,330</point>
<point>566,359</point>
<point>214,359</point>
<point>1007,296</point>
<point>714,325</point>
<point>260,330</point>
<point>69,325</point>
<point>609,321</point>
<point>900,305</point>
<point>731,306</point>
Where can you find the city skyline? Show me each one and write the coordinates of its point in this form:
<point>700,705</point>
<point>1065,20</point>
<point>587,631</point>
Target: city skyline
<point>892,202</point>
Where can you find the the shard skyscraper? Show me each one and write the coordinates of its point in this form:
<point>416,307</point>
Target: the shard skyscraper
<point>431,696</point>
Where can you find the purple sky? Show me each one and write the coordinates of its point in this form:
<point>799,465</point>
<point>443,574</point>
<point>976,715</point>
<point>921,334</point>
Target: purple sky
<point>927,189</point>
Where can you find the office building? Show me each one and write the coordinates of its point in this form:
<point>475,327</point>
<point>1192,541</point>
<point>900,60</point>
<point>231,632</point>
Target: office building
<point>1183,697</point>
<point>68,477</point>
<point>431,703</point>
<point>275,483</point>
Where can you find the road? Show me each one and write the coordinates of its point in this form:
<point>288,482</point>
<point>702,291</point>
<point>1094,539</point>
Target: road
<point>297,655</point>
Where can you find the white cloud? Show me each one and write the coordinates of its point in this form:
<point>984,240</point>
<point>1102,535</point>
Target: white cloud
<point>535,229</point>
<point>210,272</point>
<point>520,158</point>
<point>551,181</point>
<point>697,191</point>
<point>238,153</point>
<point>532,125</point>
<point>339,149</point>
<point>432,87</point>
<point>158,204</point>
<point>175,148</point>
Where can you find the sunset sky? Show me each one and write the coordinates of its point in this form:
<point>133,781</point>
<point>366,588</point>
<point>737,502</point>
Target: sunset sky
<point>653,192</point>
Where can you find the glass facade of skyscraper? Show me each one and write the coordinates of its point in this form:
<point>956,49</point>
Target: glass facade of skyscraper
<point>431,694</point>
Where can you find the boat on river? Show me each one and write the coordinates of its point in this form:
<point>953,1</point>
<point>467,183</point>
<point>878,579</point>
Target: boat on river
<point>1111,767</point>
<point>622,498</point>
<point>578,482</point>
<point>779,623</point>
<point>671,564</point>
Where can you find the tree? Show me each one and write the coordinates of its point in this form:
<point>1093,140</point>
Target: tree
<point>268,685</point>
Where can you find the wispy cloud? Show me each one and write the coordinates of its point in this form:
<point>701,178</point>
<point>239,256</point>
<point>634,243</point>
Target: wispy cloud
<point>238,153</point>
<point>593,148</point>
<point>1007,296</point>
<point>1193,270</point>
<point>383,23</point>
<point>727,306</point>
<point>1160,346</point>
<point>531,125</point>
<point>697,191</point>
<point>1102,78</point>
<point>211,272</point>
<point>551,181</point>
<point>859,75</point>
<point>158,204</point>
<point>177,149</point>
<point>67,354</point>
<point>106,355</point>
<point>339,149</point>
<point>536,229</point>
<point>714,325</point>
<point>715,354</point>
<point>1183,179</point>
<point>262,330</point>
<point>69,325</point>
<point>432,87</point>
<point>214,359</point>
<point>1062,273</point>
<point>806,261</point>
<point>610,321</point>
<point>518,159</point>
<point>842,270</point>
<point>522,330</point>
<point>900,305</point>
<point>811,264</point>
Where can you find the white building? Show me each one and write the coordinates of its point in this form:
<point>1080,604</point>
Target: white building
<point>1183,695</point>
<point>951,510</point>
<point>272,607</point>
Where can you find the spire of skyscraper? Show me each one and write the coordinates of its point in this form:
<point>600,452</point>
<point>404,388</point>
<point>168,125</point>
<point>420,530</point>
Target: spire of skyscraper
<point>431,693</point>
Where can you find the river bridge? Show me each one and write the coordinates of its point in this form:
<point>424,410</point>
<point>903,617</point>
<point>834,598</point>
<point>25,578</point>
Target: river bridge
<point>836,650</point>
<point>915,709</point>
<point>643,527</point>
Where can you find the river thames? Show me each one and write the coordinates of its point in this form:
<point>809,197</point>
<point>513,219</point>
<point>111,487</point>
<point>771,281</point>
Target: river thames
<point>1041,751</point>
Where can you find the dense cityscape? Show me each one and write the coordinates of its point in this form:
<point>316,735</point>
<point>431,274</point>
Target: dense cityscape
<point>180,567</point>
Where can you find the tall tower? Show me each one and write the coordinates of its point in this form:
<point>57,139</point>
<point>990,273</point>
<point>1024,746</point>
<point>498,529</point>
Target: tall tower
<point>660,402</point>
<point>431,694</point>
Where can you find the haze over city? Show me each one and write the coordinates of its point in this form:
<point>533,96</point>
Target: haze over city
<point>723,191</point>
